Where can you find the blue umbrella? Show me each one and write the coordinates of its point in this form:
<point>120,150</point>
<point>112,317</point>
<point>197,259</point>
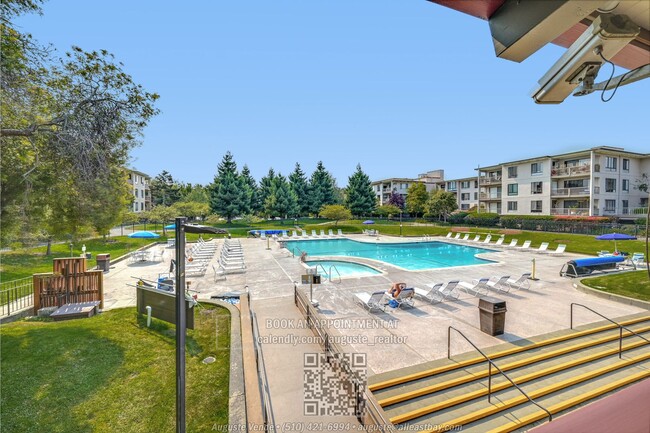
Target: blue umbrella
<point>368,222</point>
<point>615,237</point>
<point>171,226</point>
<point>144,235</point>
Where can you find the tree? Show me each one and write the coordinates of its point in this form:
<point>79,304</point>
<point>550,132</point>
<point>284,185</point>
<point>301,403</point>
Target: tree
<point>396,200</point>
<point>441,204</point>
<point>416,199</point>
<point>335,212</point>
<point>195,193</point>
<point>191,209</point>
<point>387,210</point>
<point>322,189</point>
<point>266,185</point>
<point>643,185</point>
<point>227,193</point>
<point>164,189</point>
<point>282,201</point>
<point>360,198</point>
<point>300,187</point>
<point>163,214</point>
<point>252,194</point>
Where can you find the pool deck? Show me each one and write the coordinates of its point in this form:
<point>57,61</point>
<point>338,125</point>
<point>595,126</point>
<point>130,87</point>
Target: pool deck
<point>395,339</point>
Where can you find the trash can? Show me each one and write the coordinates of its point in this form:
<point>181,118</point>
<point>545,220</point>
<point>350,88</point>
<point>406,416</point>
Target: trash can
<point>492,312</point>
<point>104,262</point>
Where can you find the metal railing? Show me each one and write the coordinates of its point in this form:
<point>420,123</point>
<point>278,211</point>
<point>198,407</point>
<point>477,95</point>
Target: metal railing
<point>267,407</point>
<point>490,365</point>
<point>620,327</point>
<point>574,170</point>
<point>570,192</point>
<point>16,295</point>
<point>488,180</point>
<point>569,211</point>
<point>329,274</point>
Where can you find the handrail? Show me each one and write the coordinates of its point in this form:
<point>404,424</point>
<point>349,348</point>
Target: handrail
<point>490,365</point>
<point>620,327</point>
<point>321,266</point>
<point>330,273</point>
<point>269,417</point>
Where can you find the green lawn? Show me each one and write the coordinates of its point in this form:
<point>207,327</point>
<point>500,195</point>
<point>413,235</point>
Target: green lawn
<point>631,284</point>
<point>111,373</point>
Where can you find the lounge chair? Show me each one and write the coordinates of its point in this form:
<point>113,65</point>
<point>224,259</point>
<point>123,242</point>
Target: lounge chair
<point>466,237</point>
<point>219,273</point>
<point>499,284</point>
<point>521,282</point>
<point>637,259</point>
<point>405,297</point>
<point>304,233</point>
<point>476,238</point>
<point>542,248</point>
<point>371,301</point>
<point>603,253</point>
<point>499,241</point>
<point>512,244</point>
<point>487,239</point>
<point>322,233</point>
<point>263,234</point>
<point>339,232</point>
<point>432,295</point>
<point>330,233</point>
<point>448,235</point>
<point>294,234</point>
<point>313,234</point>
<point>524,246</point>
<point>457,237</point>
<point>558,251</point>
<point>478,287</point>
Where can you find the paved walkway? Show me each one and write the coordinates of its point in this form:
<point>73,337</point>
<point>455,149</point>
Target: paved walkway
<point>391,340</point>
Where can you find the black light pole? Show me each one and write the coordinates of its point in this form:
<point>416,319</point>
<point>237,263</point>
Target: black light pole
<point>180,324</point>
<point>400,223</point>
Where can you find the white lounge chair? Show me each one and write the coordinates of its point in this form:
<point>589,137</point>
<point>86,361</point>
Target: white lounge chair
<point>405,297</point>
<point>330,233</point>
<point>512,244</point>
<point>521,282</point>
<point>294,234</point>
<point>478,287</point>
<point>524,246</point>
<point>219,273</point>
<point>499,241</point>
<point>371,301</point>
<point>262,234</point>
<point>339,232</point>
<point>542,248</point>
<point>432,295</point>
<point>304,233</point>
<point>457,237</point>
<point>487,239</point>
<point>500,284</point>
<point>558,251</point>
<point>466,237</point>
<point>322,233</point>
<point>313,234</point>
<point>476,238</point>
<point>638,259</point>
<point>448,235</point>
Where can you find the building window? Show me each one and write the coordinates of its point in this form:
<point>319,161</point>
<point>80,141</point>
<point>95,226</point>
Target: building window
<point>626,164</point>
<point>464,206</point>
<point>512,206</point>
<point>536,187</point>
<point>464,184</point>
<point>451,185</point>
<point>610,185</point>
<point>464,196</point>
<point>513,189</point>
<point>512,172</point>
<point>610,205</point>
<point>626,185</point>
<point>536,168</point>
<point>625,205</point>
<point>610,163</point>
<point>536,206</point>
<point>475,196</point>
<point>141,206</point>
<point>579,183</point>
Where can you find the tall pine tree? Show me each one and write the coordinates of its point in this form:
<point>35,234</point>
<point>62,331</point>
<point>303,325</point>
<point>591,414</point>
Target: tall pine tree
<point>252,203</point>
<point>361,199</point>
<point>321,189</point>
<point>300,187</point>
<point>282,201</point>
<point>266,184</point>
<point>227,190</point>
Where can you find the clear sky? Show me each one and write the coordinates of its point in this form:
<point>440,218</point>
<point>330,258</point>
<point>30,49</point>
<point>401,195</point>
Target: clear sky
<point>401,87</point>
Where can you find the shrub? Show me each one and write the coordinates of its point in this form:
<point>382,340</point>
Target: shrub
<point>457,218</point>
<point>482,219</point>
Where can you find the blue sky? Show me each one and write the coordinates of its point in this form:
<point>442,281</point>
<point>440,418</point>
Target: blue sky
<point>401,87</point>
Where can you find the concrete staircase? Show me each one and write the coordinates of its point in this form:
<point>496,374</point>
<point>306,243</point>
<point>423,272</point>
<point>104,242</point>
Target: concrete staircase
<point>559,372</point>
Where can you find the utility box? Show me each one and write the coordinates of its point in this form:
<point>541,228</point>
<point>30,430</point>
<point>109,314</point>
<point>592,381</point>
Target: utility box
<point>104,262</point>
<point>492,314</point>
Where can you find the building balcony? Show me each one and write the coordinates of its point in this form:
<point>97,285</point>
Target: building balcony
<point>570,211</point>
<point>490,196</point>
<point>490,180</point>
<point>576,170</point>
<point>570,192</point>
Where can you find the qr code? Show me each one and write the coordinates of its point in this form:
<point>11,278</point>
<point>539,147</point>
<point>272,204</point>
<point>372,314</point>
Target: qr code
<point>334,385</point>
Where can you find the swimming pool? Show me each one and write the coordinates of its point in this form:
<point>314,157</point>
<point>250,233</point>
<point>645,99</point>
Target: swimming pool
<point>411,255</point>
<point>345,269</point>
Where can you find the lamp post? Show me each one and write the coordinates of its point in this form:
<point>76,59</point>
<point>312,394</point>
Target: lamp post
<point>400,223</point>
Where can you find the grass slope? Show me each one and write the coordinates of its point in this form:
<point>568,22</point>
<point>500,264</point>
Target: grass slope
<point>631,284</point>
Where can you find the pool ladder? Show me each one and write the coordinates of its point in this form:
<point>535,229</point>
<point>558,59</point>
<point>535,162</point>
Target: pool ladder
<point>329,274</point>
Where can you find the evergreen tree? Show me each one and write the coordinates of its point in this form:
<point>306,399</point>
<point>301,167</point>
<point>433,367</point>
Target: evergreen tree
<point>266,184</point>
<point>227,190</point>
<point>321,189</point>
<point>300,187</point>
<point>164,189</point>
<point>361,199</point>
<point>282,201</point>
<point>252,199</point>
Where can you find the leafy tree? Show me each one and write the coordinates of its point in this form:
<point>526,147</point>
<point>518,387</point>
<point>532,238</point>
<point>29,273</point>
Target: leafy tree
<point>321,189</point>
<point>163,214</point>
<point>300,187</point>
<point>387,210</point>
<point>282,201</point>
<point>335,212</point>
<point>643,185</point>
<point>164,189</point>
<point>441,204</point>
<point>266,186</point>
<point>361,199</point>
<point>396,200</point>
<point>195,193</point>
<point>416,199</point>
<point>191,209</point>
<point>227,193</point>
<point>252,194</point>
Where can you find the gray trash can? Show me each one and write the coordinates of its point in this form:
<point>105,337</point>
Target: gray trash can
<point>492,313</point>
<point>104,262</point>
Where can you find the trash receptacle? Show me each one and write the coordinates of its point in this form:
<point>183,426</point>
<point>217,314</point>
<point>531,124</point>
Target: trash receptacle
<point>492,312</point>
<point>104,262</point>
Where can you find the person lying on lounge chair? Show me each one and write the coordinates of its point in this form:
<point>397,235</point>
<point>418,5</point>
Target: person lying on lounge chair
<point>395,290</point>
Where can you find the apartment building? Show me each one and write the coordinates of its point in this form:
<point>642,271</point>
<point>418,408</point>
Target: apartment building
<point>139,182</point>
<point>595,182</point>
<point>466,191</point>
<point>432,180</point>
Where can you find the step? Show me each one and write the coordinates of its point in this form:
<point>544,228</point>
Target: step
<point>512,349</point>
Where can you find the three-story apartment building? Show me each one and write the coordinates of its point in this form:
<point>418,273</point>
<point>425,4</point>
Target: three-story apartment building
<point>139,183</point>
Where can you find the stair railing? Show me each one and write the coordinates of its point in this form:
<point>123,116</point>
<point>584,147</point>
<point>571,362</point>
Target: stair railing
<point>490,365</point>
<point>330,273</point>
<point>620,327</point>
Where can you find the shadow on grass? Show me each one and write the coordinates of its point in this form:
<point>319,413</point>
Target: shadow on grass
<point>47,372</point>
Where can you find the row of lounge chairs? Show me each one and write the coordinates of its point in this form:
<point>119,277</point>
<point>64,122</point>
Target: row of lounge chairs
<point>543,247</point>
<point>199,256</point>
<point>284,235</point>
<point>231,260</point>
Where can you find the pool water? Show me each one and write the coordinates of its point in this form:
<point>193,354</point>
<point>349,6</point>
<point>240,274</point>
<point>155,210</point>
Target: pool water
<point>345,269</point>
<point>412,256</point>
